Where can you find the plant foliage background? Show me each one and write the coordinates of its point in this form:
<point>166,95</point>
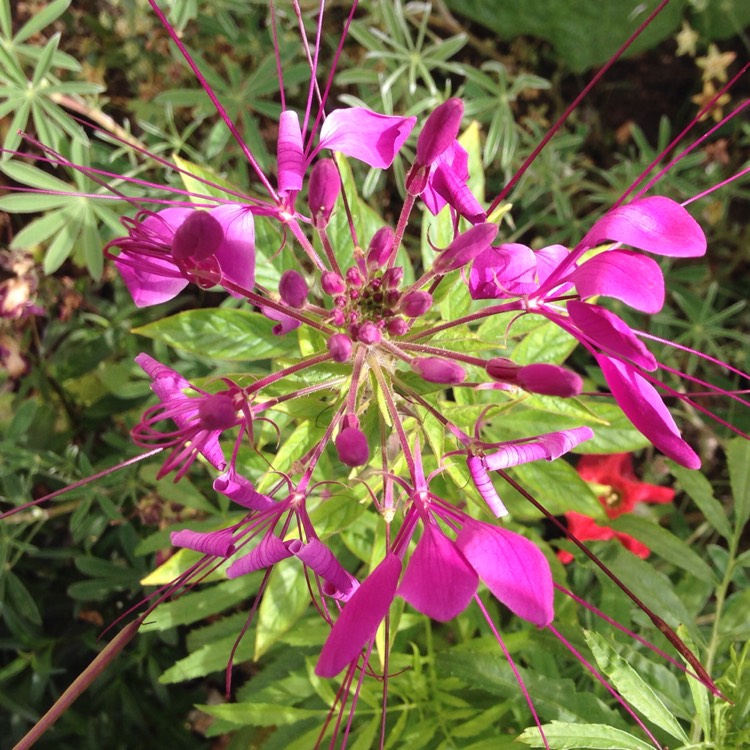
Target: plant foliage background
<point>74,73</point>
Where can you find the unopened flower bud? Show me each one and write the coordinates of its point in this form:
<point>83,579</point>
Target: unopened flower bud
<point>337,317</point>
<point>369,333</point>
<point>293,288</point>
<point>332,283</point>
<point>197,238</point>
<point>217,412</point>
<point>323,191</point>
<point>354,277</point>
<point>393,276</point>
<point>436,370</point>
<point>380,248</point>
<point>439,131</point>
<point>550,380</point>
<point>350,420</point>
<point>465,248</point>
<point>415,304</point>
<point>501,368</point>
<point>340,347</point>
<point>352,448</point>
<point>397,326</point>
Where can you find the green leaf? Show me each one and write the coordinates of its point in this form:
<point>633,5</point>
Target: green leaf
<point>207,184</point>
<point>632,687</point>
<point>210,658</point>
<point>284,601</point>
<point>236,335</point>
<point>263,714</point>
<point>547,343</point>
<point>198,605</point>
<point>738,456</point>
<point>700,492</point>
<point>45,60</point>
<point>562,735</point>
<point>40,19</point>
<point>665,544</point>
<point>557,486</point>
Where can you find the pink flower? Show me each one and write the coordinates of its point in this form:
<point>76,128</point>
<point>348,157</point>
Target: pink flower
<point>163,252</point>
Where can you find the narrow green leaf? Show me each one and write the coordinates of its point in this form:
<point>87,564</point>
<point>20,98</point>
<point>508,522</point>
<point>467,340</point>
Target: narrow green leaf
<point>738,455</point>
<point>202,181</point>
<point>665,544</point>
<point>700,492</point>
<point>40,19</point>
<point>263,714</point>
<point>6,25</point>
<point>31,203</point>
<point>236,335</point>
<point>45,60</point>
<point>284,601</point>
<point>564,736</point>
<point>632,687</point>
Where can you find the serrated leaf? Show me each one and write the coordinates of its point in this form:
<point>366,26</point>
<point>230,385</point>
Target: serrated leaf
<point>562,735</point>
<point>632,687</point>
<point>263,714</point>
<point>235,335</point>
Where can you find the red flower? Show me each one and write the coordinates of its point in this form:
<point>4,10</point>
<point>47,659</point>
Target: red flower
<point>621,492</point>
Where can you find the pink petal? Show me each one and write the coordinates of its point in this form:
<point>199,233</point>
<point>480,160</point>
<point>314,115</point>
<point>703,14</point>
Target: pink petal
<point>550,445</point>
<point>360,618</point>
<point>503,271</point>
<point>290,153</point>
<point>455,192</point>
<point>656,224</point>
<point>322,561</point>
<point>217,543</point>
<point>548,259</point>
<point>644,408</point>
<point>439,131</point>
<point>611,333</point>
<point>236,253</point>
<point>241,491</point>
<point>438,581</point>
<point>270,551</point>
<point>368,136</point>
<point>512,567</point>
<point>166,383</point>
<point>147,287</point>
<point>455,160</point>
<point>625,275</point>
<point>467,246</point>
<point>286,322</point>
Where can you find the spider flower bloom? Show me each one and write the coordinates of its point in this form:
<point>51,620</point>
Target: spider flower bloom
<point>199,419</point>
<point>656,225</point>
<point>622,492</point>
<point>165,251</point>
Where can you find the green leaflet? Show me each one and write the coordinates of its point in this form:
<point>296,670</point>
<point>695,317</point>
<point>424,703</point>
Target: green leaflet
<point>235,335</point>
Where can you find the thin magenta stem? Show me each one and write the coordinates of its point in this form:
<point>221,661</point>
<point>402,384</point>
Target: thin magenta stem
<point>403,220</point>
<point>516,305</point>
<point>446,353</point>
<point>81,482</point>
<point>301,237</point>
<point>286,372</point>
<point>214,99</point>
<point>564,116</point>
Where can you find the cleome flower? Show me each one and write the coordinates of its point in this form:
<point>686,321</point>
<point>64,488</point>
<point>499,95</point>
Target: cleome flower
<point>374,376</point>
